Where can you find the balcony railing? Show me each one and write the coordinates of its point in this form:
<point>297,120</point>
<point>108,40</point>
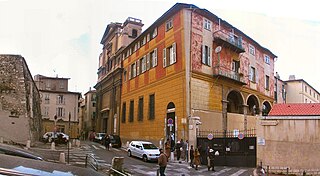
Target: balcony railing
<point>231,75</point>
<point>229,40</point>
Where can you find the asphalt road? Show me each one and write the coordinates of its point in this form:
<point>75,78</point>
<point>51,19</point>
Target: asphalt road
<point>136,166</point>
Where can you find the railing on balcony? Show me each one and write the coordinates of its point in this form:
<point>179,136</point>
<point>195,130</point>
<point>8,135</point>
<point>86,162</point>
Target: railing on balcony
<point>229,74</point>
<point>229,40</point>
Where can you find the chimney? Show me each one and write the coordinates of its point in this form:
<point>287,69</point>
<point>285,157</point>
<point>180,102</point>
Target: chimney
<point>292,77</point>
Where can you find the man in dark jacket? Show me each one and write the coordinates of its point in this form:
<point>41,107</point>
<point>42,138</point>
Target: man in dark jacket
<point>162,161</point>
<point>211,159</point>
<point>191,156</point>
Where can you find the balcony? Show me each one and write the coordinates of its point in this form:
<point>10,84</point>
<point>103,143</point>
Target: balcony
<point>228,41</point>
<point>229,75</point>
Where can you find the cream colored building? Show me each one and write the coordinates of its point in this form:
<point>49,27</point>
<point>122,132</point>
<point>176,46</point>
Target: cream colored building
<point>299,91</point>
<point>58,105</point>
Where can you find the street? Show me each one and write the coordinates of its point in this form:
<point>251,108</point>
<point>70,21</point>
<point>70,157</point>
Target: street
<point>136,166</point>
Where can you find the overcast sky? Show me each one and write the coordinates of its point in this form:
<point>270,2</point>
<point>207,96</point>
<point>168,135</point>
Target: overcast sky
<point>62,37</point>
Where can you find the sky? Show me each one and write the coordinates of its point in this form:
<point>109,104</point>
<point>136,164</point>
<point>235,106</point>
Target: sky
<point>63,37</point>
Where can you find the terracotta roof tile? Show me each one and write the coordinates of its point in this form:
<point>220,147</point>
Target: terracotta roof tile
<point>295,109</point>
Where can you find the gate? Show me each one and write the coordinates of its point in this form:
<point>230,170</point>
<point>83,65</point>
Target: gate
<point>236,148</point>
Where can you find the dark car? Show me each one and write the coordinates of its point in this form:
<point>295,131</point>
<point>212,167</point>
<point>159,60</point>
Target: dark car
<point>15,151</point>
<point>115,141</point>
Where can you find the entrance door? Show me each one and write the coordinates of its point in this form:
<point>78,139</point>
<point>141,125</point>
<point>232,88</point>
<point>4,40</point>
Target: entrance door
<point>170,124</point>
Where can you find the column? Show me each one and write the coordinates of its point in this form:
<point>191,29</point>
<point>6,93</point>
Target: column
<point>224,117</point>
<point>245,114</point>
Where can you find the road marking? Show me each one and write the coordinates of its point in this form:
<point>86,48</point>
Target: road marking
<point>239,172</point>
<point>221,171</point>
<point>95,147</point>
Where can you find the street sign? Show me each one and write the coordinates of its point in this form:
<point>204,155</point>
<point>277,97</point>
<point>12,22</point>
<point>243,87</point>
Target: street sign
<point>170,121</point>
<point>240,136</point>
<point>210,136</point>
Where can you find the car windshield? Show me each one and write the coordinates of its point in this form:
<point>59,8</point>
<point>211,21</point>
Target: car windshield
<point>149,146</point>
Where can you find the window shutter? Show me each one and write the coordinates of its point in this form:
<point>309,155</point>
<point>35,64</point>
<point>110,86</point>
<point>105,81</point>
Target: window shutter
<point>155,59</point>
<point>174,59</point>
<point>148,61</point>
<point>203,54</point>
<point>64,112</point>
<point>209,56</point>
<point>250,73</point>
<point>164,57</point>
<point>138,67</point>
<point>129,71</point>
<point>57,112</point>
<point>64,100</point>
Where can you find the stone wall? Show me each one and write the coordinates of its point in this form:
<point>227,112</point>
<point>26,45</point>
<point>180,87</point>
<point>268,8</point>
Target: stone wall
<point>19,101</point>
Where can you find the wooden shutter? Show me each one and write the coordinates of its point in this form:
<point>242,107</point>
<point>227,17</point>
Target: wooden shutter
<point>174,59</point>
<point>164,57</point>
<point>138,67</point>
<point>203,54</point>
<point>148,61</point>
<point>209,56</point>
<point>155,59</point>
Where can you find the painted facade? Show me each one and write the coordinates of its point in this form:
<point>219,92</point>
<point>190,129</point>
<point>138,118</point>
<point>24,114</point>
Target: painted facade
<point>88,109</point>
<point>108,88</point>
<point>188,67</point>
<point>299,91</point>
<point>20,102</point>
<point>59,107</point>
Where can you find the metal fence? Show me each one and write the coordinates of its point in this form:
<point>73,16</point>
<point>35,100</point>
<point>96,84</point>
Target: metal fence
<point>227,134</point>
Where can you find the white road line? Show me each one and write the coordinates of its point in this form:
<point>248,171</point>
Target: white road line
<point>239,172</point>
<point>95,147</point>
<point>221,171</point>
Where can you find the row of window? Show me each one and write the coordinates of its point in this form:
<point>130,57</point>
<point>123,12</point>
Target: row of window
<point>310,92</point>
<point>252,77</point>
<point>140,114</point>
<point>60,112</point>
<point>252,51</point>
<point>60,99</point>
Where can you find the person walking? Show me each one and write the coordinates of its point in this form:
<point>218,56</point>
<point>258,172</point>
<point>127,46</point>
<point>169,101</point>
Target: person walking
<point>178,150</point>
<point>162,161</point>
<point>191,156</point>
<point>207,155</point>
<point>196,158</point>
<point>211,159</point>
<point>107,142</point>
<point>167,148</point>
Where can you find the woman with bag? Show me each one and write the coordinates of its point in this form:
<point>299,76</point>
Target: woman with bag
<point>196,158</point>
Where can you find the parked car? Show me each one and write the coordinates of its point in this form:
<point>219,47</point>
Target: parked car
<point>57,137</point>
<point>15,151</point>
<point>143,149</point>
<point>99,137</point>
<point>115,141</point>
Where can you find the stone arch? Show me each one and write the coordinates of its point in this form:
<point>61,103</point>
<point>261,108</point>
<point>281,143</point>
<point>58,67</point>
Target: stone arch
<point>253,104</point>
<point>266,107</point>
<point>235,102</point>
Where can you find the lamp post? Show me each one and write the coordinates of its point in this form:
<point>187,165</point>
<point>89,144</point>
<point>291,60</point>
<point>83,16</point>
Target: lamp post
<point>69,138</point>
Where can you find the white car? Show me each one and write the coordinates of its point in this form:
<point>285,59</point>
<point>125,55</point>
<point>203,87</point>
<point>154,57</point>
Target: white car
<point>143,149</point>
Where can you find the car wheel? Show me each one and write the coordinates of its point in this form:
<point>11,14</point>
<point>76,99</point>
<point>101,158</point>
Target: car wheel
<point>145,158</point>
<point>129,153</point>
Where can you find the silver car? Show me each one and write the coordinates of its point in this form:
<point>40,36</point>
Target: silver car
<point>143,149</point>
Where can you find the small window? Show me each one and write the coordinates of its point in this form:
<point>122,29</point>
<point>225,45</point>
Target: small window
<point>306,89</point>
<point>131,115</point>
<point>252,50</point>
<point>154,58</point>
<point>207,24</point>
<point>169,55</point>
<point>143,62</point>
<point>125,75</point>
<point>140,109</point>
<point>154,33</point>
<point>252,74</point>
<point>133,70</point>
<point>151,106</point>
<point>134,33</point>
<point>267,59</point>
<point>206,55</point>
<point>169,24</point>
<point>267,82</point>
<point>124,109</point>
<point>235,66</point>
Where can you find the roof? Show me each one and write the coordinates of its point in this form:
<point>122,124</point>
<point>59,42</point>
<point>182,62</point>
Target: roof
<point>302,80</point>
<point>295,109</point>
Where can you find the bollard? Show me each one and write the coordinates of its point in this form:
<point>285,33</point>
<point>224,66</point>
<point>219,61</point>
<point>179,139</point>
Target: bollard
<point>287,171</point>
<point>117,163</point>
<point>28,144</point>
<point>172,156</point>
<point>70,145</point>
<point>1,139</point>
<point>73,142</point>
<point>62,158</point>
<point>78,143</point>
<point>53,146</point>
<point>267,170</point>
<point>127,144</point>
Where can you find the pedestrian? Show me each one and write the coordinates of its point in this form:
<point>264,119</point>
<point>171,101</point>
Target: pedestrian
<point>211,159</point>
<point>162,161</point>
<point>259,171</point>
<point>191,156</point>
<point>178,150</point>
<point>207,155</point>
<point>196,158</point>
<point>107,142</point>
<point>167,148</point>
<point>187,150</point>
